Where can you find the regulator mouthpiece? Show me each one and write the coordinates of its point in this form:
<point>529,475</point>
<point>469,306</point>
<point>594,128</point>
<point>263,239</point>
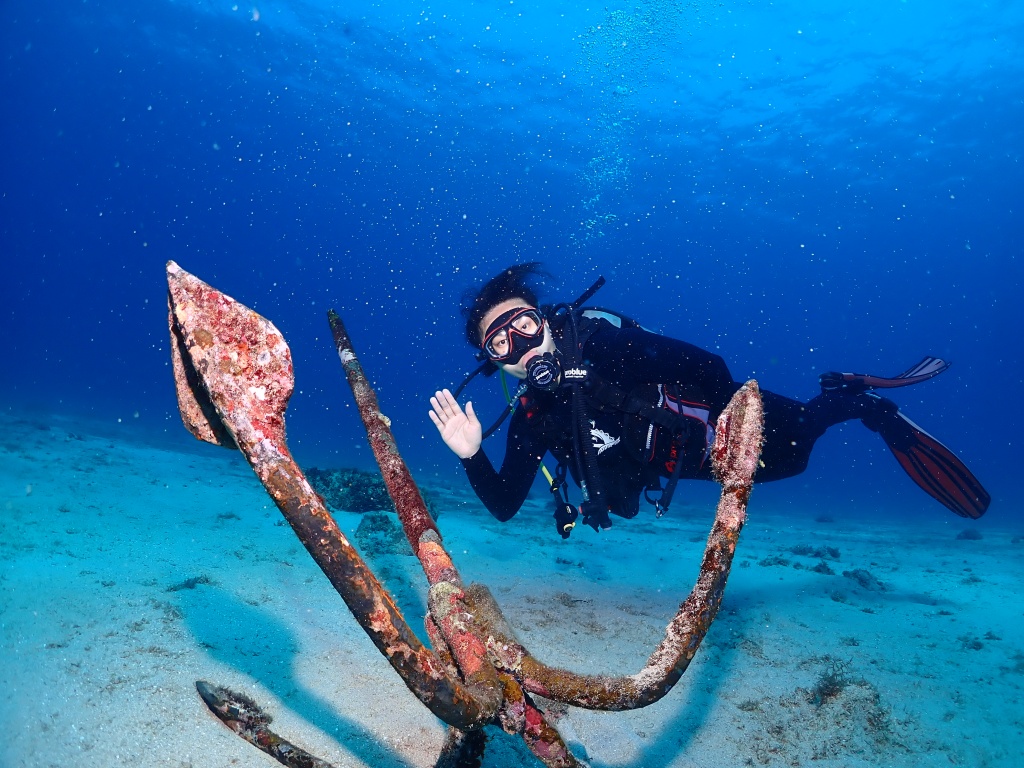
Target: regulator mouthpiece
<point>544,372</point>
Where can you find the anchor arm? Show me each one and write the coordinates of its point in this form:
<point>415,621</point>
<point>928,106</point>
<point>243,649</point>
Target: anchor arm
<point>735,455</point>
<point>245,371</point>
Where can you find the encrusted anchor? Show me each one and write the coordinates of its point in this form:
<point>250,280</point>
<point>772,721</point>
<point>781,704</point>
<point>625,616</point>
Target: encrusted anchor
<point>234,376</point>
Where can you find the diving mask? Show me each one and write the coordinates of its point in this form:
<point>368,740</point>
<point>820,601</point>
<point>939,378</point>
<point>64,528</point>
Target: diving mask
<point>513,334</point>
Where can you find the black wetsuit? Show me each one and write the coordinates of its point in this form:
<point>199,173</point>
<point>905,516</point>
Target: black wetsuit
<point>637,360</point>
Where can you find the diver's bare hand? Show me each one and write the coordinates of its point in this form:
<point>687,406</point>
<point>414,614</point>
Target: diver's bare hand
<point>459,429</point>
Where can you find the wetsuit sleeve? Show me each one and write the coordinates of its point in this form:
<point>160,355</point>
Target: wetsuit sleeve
<point>633,356</point>
<point>504,492</point>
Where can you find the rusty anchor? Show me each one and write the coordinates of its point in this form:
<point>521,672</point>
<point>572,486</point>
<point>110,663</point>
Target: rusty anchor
<point>234,376</point>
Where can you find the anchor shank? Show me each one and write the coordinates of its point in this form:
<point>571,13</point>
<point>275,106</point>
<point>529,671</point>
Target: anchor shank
<point>445,598</point>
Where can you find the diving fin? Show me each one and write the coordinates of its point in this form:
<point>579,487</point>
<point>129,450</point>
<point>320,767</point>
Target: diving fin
<point>855,383</point>
<point>930,464</point>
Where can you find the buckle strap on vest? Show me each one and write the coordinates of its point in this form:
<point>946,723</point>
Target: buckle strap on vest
<point>612,396</point>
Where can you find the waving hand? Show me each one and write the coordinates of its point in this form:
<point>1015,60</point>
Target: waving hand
<point>459,429</point>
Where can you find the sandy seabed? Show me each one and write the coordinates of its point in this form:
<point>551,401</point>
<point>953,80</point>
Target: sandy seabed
<point>128,572</point>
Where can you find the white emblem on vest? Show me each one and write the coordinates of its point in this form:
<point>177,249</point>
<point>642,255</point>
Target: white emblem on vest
<point>602,440</point>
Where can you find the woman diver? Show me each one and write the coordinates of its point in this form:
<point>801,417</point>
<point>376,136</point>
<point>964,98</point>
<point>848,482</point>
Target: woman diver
<point>621,408</point>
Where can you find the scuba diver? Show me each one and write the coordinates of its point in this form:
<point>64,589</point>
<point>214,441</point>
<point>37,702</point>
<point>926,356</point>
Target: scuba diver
<point>621,408</point>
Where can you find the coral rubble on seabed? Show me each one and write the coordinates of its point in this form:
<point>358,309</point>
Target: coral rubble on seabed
<point>100,652</point>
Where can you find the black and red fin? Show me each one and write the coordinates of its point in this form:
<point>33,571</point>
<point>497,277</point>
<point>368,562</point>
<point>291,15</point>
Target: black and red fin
<point>928,368</point>
<point>933,466</point>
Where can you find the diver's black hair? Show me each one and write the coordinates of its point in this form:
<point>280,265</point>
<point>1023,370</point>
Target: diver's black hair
<point>515,282</point>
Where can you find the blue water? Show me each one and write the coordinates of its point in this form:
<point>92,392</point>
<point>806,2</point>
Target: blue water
<point>799,186</point>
